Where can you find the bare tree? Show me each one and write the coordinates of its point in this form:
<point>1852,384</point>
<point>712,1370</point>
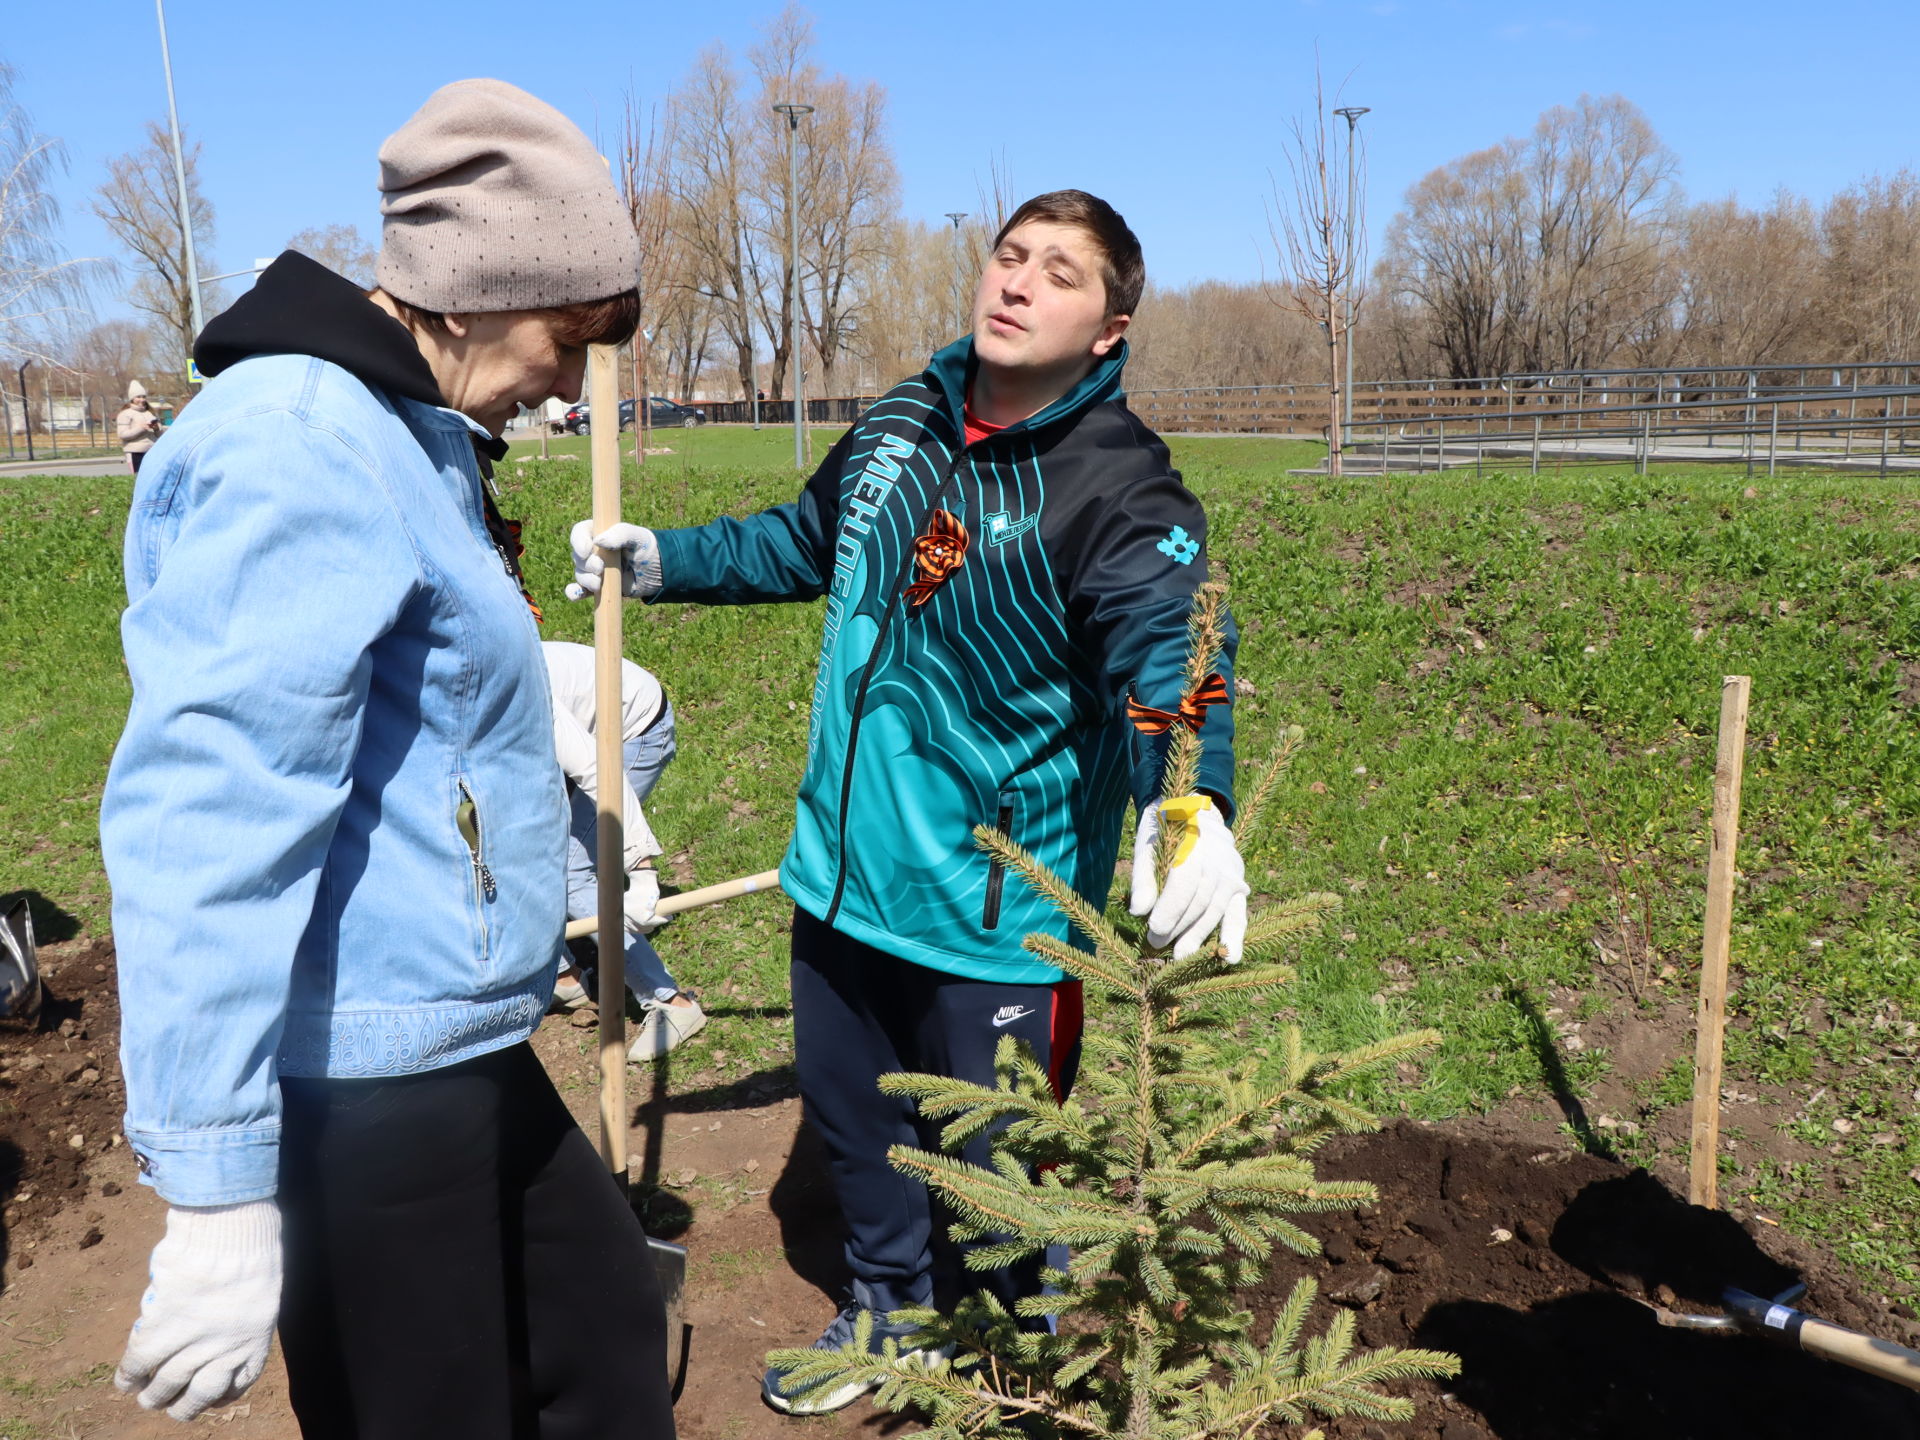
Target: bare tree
<point>645,157</point>
<point>1749,283</point>
<point>782,66</point>
<point>911,282</point>
<point>710,176</point>
<point>342,249</point>
<point>1549,253</point>
<point>851,191</point>
<point>140,203</point>
<point>112,354</point>
<point>42,292</point>
<point>1216,332</point>
<point>1871,270</point>
<point>1319,237</point>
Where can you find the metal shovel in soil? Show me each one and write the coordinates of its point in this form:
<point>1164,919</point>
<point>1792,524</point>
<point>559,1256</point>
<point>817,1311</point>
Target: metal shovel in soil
<point>19,965</point>
<point>669,1259</point>
<point>1777,1319</point>
<point>670,1265</point>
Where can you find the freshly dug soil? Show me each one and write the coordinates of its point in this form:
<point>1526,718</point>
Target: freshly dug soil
<point>59,1081</point>
<point>1549,1324</point>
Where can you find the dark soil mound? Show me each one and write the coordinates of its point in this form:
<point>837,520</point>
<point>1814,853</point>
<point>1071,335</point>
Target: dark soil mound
<point>59,1079</point>
<point>1527,1263</point>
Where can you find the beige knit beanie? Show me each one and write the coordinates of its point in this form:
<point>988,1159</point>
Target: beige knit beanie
<point>495,201</point>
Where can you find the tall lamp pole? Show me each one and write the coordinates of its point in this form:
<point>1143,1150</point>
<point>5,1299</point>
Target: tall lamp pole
<point>959,278</point>
<point>793,113</point>
<point>1351,114</point>
<point>180,179</point>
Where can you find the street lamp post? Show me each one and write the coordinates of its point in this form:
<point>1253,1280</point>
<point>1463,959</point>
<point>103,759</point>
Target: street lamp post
<point>180,178</point>
<point>26,409</point>
<point>1351,114</point>
<point>793,113</point>
<point>959,276</point>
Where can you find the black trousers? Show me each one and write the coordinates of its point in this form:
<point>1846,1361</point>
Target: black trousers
<point>459,1264</point>
<point>858,1014</point>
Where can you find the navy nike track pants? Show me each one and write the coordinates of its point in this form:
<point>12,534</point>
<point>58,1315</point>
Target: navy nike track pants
<point>858,1014</point>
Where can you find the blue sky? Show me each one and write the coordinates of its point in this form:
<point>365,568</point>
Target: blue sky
<point>1172,111</point>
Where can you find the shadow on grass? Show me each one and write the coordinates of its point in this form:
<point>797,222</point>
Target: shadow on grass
<point>51,923</point>
<point>1546,1050</point>
<point>1598,1365</point>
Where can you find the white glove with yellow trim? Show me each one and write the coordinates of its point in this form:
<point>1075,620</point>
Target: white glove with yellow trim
<point>1206,886</point>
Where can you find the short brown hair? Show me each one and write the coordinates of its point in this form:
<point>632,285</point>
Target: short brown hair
<point>1123,269</point>
<point>611,321</point>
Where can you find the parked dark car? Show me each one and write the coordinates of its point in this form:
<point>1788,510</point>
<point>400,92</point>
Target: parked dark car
<point>660,412</point>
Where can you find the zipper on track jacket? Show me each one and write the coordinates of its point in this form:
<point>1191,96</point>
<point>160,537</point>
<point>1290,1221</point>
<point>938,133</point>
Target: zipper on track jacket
<point>866,677</point>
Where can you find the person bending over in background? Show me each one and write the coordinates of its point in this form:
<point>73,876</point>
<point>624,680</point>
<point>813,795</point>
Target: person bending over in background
<point>668,1014</point>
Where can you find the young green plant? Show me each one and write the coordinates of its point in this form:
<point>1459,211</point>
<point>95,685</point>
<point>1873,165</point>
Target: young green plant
<point>1166,1184</point>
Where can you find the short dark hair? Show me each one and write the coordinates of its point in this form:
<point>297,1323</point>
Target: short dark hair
<point>611,321</point>
<point>1123,269</point>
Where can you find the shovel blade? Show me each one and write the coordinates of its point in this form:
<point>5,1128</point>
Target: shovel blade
<point>670,1265</point>
<point>19,965</point>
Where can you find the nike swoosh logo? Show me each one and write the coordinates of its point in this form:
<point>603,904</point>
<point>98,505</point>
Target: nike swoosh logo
<point>1000,1020</point>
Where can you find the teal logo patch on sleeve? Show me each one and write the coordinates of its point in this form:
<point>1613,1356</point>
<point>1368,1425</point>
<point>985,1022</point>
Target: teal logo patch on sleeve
<point>1179,546</point>
<point>1002,527</point>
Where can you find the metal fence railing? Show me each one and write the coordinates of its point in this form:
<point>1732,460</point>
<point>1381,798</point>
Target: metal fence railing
<point>1849,413</point>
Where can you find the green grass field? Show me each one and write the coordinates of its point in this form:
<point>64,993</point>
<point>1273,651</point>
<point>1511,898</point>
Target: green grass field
<point>1510,687</point>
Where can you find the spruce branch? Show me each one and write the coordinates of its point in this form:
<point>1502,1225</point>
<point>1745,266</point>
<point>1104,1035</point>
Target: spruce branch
<point>1246,825</point>
<point>1062,896</point>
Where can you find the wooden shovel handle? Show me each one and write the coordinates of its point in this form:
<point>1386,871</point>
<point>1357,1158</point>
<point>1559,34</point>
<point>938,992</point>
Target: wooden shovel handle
<point>1877,1357</point>
<point>693,899</point>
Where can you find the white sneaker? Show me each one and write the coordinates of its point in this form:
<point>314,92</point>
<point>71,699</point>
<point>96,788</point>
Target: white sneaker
<point>664,1026</point>
<point>568,996</point>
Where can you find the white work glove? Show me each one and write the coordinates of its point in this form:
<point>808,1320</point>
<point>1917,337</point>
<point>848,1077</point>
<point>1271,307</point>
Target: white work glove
<point>640,568</point>
<point>1206,886</point>
<point>208,1315</point>
<point>643,893</point>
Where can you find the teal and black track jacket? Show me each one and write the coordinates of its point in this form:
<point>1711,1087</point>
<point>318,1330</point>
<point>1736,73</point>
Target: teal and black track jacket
<point>989,691</point>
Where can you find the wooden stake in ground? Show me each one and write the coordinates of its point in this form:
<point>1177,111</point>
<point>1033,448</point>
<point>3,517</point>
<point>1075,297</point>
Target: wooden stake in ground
<point>1704,1182</point>
<point>603,399</point>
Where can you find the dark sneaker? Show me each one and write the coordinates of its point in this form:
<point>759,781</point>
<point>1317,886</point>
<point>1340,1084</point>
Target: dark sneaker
<point>837,1336</point>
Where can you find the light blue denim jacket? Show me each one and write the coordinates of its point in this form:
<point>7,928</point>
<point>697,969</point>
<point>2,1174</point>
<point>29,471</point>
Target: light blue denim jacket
<point>332,671</point>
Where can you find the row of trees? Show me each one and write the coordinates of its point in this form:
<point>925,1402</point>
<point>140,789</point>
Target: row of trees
<point>1574,248</point>
<point>1571,247</point>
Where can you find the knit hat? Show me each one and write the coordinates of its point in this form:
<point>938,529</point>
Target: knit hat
<point>136,391</point>
<point>495,201</point>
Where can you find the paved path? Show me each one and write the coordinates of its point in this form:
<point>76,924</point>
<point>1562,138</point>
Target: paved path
<point>98,465</point>
<point>1411,454</point>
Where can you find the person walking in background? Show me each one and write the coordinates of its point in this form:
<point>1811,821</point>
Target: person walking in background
<point>138,426</point>
<point>668,1014</point>
<point>336,833</point>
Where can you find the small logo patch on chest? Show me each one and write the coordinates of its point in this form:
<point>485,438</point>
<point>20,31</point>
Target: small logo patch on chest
<point>1002,527</point>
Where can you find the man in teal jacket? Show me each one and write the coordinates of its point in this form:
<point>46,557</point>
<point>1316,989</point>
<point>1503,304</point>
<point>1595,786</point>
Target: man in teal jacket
<point>1009,560</point>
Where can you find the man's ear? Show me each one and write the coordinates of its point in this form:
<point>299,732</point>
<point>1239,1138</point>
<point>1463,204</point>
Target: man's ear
<point>1110,334</point>
<point>459,326</point>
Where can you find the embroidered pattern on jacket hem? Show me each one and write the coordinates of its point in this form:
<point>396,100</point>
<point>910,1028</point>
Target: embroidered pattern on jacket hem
<point>405,1042</point>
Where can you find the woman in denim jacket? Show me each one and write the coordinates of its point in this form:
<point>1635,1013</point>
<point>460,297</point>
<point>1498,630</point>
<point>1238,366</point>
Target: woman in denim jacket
<point>336,832</point>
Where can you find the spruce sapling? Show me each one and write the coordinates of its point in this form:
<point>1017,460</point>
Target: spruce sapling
<point>1169,1178</point>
